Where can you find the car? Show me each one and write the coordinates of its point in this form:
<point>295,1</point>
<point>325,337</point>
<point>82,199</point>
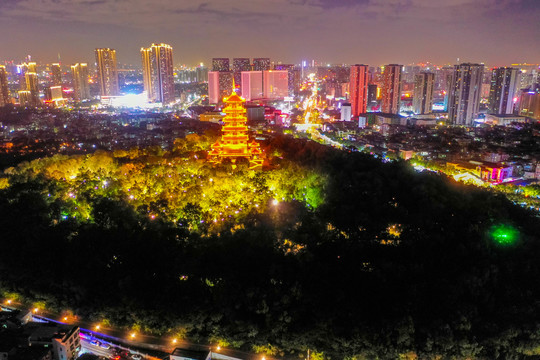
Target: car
<point>95,342</point>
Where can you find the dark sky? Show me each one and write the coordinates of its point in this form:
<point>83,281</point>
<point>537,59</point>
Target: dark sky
<point>496,32</point>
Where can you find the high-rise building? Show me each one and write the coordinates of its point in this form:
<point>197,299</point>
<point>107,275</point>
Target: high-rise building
<point>22,69</point>
<point>81,89</point>
<point>4,90</point>
<point>504,86</point>
<point>158,73</point>
<point>391,89</point>
<point>107,71</point>
<point>261,64</point>
<point>220,64</point>
<point>372,93</point>
<point>202,73</point>
<point>423,93</point>
<point>252,88</point>
<point>530,75</point>
<point>464,94</point>
<point>275,84</point>
<point>55,93</point>
<point>25,97</point>
<point>239,65</point>
<point>56,75</point>
<point>293,76</point>
<point>219,86</point>
<point>32,85</point>
<point>529,104</point>
<point>358,89</point>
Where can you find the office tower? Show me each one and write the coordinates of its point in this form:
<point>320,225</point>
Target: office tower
<point>252,85</point>
<point>4,90</point>
<point>219,86</point>
<point>32,83</point>
<point>107,72</point>
<point>239,65</point>
<point>504,86</point>
<point>158,73</point>
<point>275,84</point>
<point>346,112</point>
<point>423,93</point>
<point>220,64</point>
<point>358,88</point>
<point>372,93</point>
<point>529,104</point>
<point>81,89</point>
<point>391,89</point>
<point>56,75</point>
<point>202,73</point>
<point>464,94</point>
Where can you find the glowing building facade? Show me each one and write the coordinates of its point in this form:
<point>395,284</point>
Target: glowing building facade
<point>503,90</point>
<point>31,79</point>
<point>220,64</point>
<point>252,85</point>
<point>240,65</point>
<point>158,74</point>
<point>219,85</point>
<point>464,96</point>
<point>107,72</point>
<point>276,84</point>
<point>391,89</point>
<point>423,93</point>
<point>56,75</point>
<point>4,90</point>
<point>358,87</point>
<point>234,143</point>
<point>81,89</point>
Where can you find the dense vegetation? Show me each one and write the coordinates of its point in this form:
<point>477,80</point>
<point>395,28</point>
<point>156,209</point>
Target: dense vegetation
<point>356,259</point>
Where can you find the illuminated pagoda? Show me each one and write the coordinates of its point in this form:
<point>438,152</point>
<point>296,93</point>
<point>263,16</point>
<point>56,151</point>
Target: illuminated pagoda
<point>234,143</point>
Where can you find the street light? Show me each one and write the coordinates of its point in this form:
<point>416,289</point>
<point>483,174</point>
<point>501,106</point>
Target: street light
<point>98,327</point>
<point>9,302</point>
<point>36,310</point>
<point>174,341</point>
<point>218,348</point>
<point>132,335</point>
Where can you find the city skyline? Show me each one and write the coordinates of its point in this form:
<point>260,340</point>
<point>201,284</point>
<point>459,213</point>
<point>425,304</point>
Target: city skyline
<point>489,31</point>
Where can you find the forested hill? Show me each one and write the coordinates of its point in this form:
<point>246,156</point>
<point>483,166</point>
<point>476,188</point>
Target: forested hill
<point>327,250</point>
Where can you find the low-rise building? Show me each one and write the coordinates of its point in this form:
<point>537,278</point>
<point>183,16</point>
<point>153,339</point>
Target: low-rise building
<point>65,341</point>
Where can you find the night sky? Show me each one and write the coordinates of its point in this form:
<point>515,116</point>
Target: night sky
<point>496,32</point>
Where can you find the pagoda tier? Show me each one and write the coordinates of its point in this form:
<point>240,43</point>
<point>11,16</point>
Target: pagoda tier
<point>234,142</point>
